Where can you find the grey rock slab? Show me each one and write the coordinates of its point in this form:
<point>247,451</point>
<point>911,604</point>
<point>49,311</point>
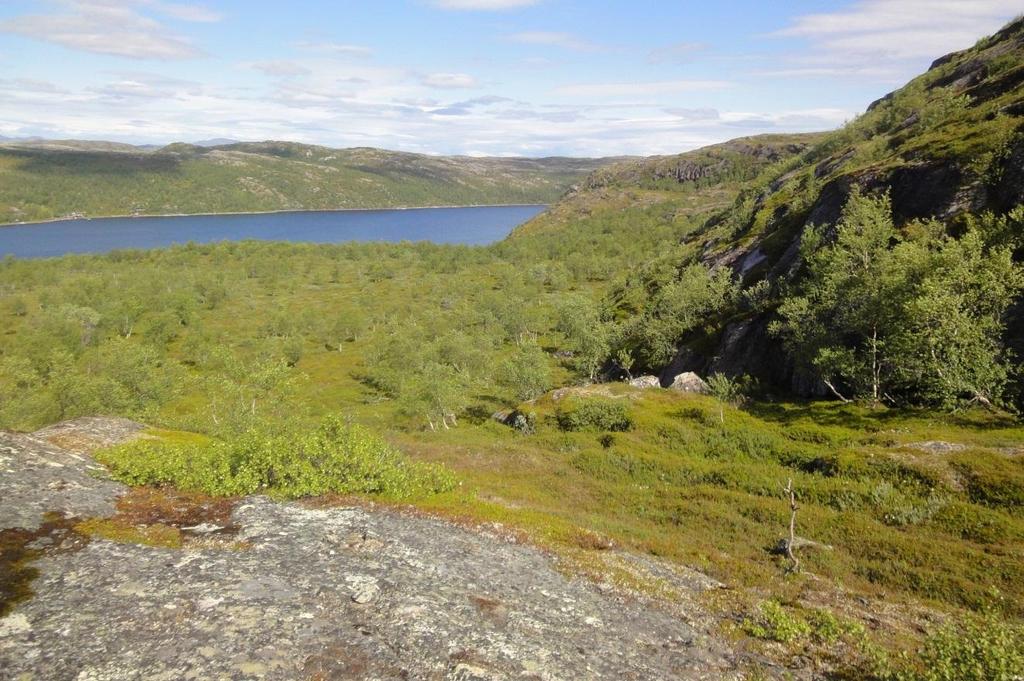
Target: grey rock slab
<point>645,382</point>
<point>936,447</point>
<point>432,601</point>
<point>335,593</point>
<point>37,477</point>
<point>87,433</point>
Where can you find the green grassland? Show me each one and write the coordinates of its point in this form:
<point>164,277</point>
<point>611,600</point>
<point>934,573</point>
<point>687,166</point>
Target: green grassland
<point>234,340</point>
<point>46,181</point>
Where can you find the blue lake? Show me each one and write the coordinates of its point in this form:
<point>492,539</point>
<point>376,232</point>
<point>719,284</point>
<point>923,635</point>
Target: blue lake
<point>474,225</point>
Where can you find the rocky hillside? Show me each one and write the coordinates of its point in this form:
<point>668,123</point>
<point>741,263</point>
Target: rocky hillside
<point>48,179</point>
<point>695,182</point>
<point>948,146</point>
<point>736,160</point>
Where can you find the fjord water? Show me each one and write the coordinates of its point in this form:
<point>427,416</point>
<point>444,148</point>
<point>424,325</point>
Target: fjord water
<point>473,225</point>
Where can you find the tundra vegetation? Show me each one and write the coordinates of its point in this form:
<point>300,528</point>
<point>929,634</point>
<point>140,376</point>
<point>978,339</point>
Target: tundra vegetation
<point>908,463</point>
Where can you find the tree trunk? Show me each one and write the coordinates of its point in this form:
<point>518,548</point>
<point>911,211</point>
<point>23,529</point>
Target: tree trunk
<point>832,388</point>
<point>874,364</point>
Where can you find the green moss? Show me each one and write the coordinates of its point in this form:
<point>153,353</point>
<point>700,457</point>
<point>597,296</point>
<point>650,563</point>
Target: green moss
<point>113,529</point>
<point>993,479</point>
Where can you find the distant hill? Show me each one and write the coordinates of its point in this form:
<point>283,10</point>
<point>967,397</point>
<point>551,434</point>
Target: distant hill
<point>46,179</point>
<point>691,183</point>
<point>215,142</point>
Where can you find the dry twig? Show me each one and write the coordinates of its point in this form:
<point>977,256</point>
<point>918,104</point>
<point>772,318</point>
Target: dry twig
<point>795,562</point>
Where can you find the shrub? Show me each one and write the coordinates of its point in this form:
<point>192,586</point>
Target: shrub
<point>827,628</point>
<point>292,350</point>
<point>985,649</point>
<point>595,415</point>
<point>334,458</point>
<point>523,421</point>
<point>773,623</point>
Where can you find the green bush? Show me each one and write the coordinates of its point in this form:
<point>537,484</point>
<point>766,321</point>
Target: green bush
<point>334,458</point>
<point>595,415</point>
<point>985,649</point>
<point>773,623</point>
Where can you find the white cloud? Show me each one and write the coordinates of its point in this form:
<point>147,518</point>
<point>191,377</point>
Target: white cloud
<point>553,38</point>
<point>195,13</point>
<point>486,5</point>
<point>449,81</point>
<point>344,49</point>
<point>29,85</point>
<point>679,53</point>
<point>280,68</point>
<point>366,105</point>
<point>105,28</point>
<point>615,90</point>
<point>707,114</point>
<point>888,30</point>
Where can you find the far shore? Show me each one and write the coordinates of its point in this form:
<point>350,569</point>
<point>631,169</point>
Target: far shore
<point>264,212</point>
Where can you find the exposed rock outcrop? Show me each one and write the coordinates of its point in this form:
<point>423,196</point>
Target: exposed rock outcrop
<point>306,592</point>
<point>689,382</point>
<point>645,382</point>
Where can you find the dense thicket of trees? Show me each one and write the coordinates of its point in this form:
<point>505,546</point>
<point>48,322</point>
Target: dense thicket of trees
<point>906,316</point>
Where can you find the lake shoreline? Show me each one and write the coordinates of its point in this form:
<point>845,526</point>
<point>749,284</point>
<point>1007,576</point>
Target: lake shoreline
<point>465,225</point>
<point>266,212</point>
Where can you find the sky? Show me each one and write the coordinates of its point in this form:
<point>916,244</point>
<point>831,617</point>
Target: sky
<point>474,77</point>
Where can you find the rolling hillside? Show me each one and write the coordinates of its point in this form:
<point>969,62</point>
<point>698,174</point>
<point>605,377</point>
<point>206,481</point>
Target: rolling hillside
<point>42,180</point>
<point>948,147</point>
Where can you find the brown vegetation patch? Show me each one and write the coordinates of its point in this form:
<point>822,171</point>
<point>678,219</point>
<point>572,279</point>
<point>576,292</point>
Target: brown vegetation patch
<point>168,518</point>
<point>20,548</point>
<point>186,511</point>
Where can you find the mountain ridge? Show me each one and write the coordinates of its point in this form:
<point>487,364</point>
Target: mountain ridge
<point>42,180</point>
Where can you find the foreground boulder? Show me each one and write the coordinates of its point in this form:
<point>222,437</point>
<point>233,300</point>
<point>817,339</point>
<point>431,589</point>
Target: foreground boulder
<point>689,382</point>
<point>645,382</point>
